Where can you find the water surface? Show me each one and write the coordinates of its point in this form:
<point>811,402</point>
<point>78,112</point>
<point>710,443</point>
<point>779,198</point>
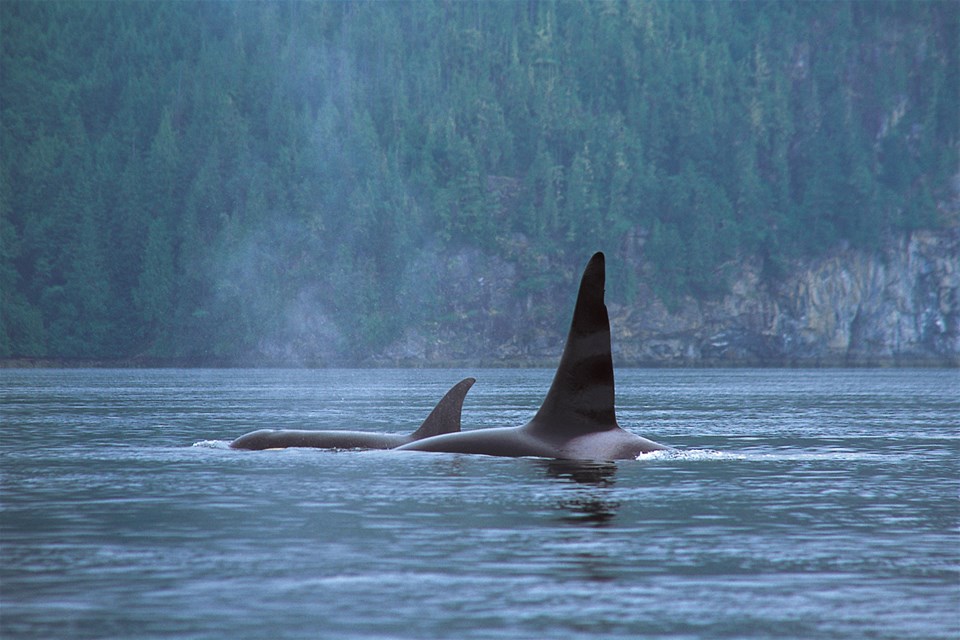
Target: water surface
<point>803,504</point>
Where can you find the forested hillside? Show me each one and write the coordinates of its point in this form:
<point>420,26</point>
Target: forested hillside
<point>209,180</point>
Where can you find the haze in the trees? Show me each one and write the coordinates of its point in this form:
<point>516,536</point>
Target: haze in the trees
<point>183,179</point>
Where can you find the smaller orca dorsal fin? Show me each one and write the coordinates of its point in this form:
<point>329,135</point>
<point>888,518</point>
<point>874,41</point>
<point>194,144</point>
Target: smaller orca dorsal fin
<point>581,398</point>
<point>445,417</point>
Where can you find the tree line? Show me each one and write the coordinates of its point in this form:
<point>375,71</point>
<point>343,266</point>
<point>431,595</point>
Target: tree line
<point>175,177</point>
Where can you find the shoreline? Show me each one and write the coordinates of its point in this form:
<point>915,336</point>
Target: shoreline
<point>511,363</point>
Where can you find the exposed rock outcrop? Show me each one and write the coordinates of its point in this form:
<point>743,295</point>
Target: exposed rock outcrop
<point>899,306</point>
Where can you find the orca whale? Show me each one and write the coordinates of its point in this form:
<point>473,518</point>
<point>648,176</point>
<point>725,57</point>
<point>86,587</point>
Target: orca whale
<point>577,420</point>
<point>444,419</point>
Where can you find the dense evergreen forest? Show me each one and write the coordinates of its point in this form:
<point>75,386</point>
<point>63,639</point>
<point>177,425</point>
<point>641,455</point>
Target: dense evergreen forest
<point>178,178</point>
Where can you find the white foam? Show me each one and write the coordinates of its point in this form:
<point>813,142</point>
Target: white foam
<point>691,454</point>
<point>212,444</point>
<point>798,455</point>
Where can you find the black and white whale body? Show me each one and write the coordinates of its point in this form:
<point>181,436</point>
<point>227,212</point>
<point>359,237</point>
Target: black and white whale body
<point>444,419</point>
<point>577,420</point>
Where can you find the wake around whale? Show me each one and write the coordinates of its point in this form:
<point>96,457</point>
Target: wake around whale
<point>444,419</point>
<point>577,420</point>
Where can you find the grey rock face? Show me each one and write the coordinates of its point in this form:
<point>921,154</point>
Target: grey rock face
<point>899,306</point>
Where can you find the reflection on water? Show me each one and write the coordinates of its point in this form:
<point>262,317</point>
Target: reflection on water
<point>589,505</point>
<point>597,474</point>
<point>589,510</point>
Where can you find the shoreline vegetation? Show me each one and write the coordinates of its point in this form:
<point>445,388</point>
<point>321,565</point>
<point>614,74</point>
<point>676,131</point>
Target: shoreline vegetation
<point>376,183</point>
<point>538,363</point>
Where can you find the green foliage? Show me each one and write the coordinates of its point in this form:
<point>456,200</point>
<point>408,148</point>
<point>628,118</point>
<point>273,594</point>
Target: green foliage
<point>173,176</point>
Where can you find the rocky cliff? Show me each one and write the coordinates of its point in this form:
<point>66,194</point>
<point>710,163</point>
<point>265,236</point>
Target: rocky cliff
<point>898,306</point>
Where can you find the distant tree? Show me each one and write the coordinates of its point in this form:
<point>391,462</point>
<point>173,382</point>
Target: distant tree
<point>154,293</point>
<point>174,175</point>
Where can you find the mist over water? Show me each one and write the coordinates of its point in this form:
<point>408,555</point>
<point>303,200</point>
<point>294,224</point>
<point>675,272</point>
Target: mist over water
<point>798,504</point>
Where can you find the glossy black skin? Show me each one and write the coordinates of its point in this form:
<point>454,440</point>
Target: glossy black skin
<point>288,438</point>
<point>577,420</point>
<point>445,418</point>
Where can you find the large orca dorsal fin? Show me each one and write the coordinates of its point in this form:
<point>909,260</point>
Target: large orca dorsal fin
<point>581,398</point>
<point>445,417</point>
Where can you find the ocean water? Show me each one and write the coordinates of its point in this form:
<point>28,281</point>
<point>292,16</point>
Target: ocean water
<point>798,504</point>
